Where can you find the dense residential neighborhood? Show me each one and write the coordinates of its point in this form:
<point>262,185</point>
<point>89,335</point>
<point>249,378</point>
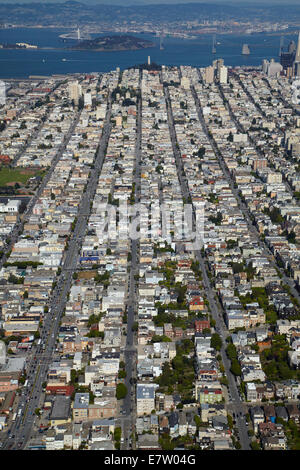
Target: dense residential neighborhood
<point>150,261</point>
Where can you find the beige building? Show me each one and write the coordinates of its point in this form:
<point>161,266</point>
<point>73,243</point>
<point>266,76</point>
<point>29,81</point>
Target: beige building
<point>145,398</point>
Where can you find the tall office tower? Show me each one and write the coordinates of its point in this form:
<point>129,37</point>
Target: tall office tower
<point>292,47</point>
<point>185,83</point>
<point>297,59</point>
<point>289,72</point>
<point>75,91</point>
<point>222,74</point>
<point>287,59</point>
<point>149,60</point>
<point>221,70</point>
<point>87,99</point>
<point>209,74</point>
<point>272,68</point>
<point>265,64</point>
<point>218,63</point>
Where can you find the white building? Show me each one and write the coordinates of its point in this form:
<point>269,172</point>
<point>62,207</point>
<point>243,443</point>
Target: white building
<point>75,91</point>
<point>223,74</point>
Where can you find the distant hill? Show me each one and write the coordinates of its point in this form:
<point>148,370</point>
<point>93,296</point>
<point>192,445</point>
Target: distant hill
<point>73,13</point>
<point>114,43</point>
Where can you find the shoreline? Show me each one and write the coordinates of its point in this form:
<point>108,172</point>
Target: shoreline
<point>75,49</point>
<point>286,32</point>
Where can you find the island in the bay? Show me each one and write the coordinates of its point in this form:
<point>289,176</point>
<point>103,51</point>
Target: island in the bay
<point>18,45</point>
<point>113,43</point>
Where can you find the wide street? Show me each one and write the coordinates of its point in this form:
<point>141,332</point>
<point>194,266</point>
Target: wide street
<point>21,429</point>
<point>130,352</point>
<point>237,405</point>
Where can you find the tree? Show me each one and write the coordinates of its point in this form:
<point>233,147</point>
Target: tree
<point>121,391</point>
<point>166,442</point>
<point>237,268</point>
<point>95,334</point>
<point>231,244</point>
<point>216,220</point>
<point>230,421</point>
<point>235,367</point>
<point>230,137</point>
<point>201,152</point>
<point>122,374</point>
<point>36,335</point>
<point>255,445</point>
<point>117,433</point>
<point>231,351</point>
<point>160,339</point>
<point>197,420</point>
<point>216,342</point>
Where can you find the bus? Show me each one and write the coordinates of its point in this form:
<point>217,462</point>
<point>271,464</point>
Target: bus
<point>14,417</point>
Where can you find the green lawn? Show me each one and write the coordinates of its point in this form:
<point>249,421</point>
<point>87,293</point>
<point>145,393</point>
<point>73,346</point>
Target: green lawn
<point>9,175</point>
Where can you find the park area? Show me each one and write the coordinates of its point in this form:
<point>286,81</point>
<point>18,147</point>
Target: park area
<point>12,176</point>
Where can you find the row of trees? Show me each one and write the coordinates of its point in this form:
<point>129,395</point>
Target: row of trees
<point>180,374</point>
<point>232,355</point>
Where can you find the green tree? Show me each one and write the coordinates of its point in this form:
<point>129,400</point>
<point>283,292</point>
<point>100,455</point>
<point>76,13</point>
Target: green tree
<point>235,367</point>
<point>231,351</point>
<point>122,374</point>
<point>216,342</point>
<point>121,391</point>
<point>255,445</point>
